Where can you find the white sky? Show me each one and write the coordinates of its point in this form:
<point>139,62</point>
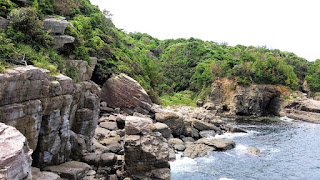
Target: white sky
<point>288,25</point>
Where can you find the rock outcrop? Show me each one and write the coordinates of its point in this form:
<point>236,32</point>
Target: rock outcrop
<point>3,23</point>
<point>47,109</point>
<point>56,27</point>
<point>304,109</point>
<point>173,120</point>
<point>146,152</point>
<point>123,92</point>
<point>254,100</point>
<point>15,155</point>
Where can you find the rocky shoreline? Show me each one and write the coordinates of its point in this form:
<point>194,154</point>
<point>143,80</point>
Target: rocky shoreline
<point>75,135</point>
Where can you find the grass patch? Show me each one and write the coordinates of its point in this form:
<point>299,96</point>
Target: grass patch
<point>179,98</point>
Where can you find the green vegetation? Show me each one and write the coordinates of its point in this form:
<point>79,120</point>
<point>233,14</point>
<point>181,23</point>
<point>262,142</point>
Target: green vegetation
<point>179,71</point>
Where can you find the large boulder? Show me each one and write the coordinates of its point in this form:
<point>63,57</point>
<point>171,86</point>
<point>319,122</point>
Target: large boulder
<point>56,26</point>
<point>15,155</point>
<point>173,120</point>
<point>201,126</point>
<point>146,154</point>
<point>72,170</point>
<point>123,92</point>
<point>60,40</point>
<point>197,150</point>
<point>218,144</point>
<point>138,125</point>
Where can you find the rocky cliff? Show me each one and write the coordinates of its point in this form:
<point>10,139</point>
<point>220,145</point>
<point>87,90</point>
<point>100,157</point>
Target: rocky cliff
<point>48,110</point>
<point>256,100</point>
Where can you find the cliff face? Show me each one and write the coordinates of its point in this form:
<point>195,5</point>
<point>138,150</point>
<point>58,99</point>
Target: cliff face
<point>256,100</point>
<point>46,109</point>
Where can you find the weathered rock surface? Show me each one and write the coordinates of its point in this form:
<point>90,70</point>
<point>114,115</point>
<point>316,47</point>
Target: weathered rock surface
<point>15,155</point>
<point>255,100</point>
<point>138,125</point>
<point>124,92</point>
<point>3,23</point>
<point>173,120</point>
<point>60,40</point>
<point>197,150</point>
<point>201,125</point>
<point>56,26</point>
<point>305,109</point>
<point>218,144</point>
<point>41,175</point>
<point>71,170</point>
<point>163,129</point>
<point>45,108</point>
<point>253,151</point>
<point>146,152</point>
<point>85,71</point>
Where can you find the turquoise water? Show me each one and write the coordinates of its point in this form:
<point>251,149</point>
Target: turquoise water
<point>288,151</point>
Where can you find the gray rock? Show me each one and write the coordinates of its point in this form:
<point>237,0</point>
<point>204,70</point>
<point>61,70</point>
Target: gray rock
<point>218,144</point>
<point>124,92</point>
<point>172,154</point>
<point>92,158</point>
<point>15,158</point>
<point>56,26</point>
<point>109,125</point>
<point>173,120</point>
<point>138,125</point>
<point>72,170</point>
<point>145,153</point>
<point>163,129</point>
<point>207,133</point>
<point>3,23</point>
<point>60,40</point>
<point>253,151</point>
<point>188,139</point>
<point>201,125</point>
<point>40,175</point>
<point>197,150</point>
<point>108,159</point>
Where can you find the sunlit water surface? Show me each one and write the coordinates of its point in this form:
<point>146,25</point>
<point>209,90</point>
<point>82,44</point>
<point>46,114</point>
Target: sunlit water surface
<point>289,150</point>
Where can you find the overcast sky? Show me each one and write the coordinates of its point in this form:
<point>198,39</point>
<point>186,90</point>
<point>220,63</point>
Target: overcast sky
<point>288,25</point>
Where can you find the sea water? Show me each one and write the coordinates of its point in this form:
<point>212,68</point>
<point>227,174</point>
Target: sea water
<point>289,151</point>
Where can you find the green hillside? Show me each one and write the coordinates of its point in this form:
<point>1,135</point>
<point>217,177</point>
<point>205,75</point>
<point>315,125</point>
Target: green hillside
<point>162,67</point>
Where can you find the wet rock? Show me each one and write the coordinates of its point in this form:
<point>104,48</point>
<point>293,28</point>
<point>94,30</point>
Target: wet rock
<point>163,129</point>
<point>72,170</point>
<point>218,144</point>
<point>15,155</point>
<point>305,109</point>
<point>201,125</point>
<point>173,120</point>
<point>253,151</point>
<point>207,133</point>
<point>172,154</point>
<point>197,150</point>
<point>124,92</point>
<point>177,144</point>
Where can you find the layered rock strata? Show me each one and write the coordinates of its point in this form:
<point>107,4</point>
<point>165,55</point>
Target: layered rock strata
<point>47,109</point>
<point>15,155</point>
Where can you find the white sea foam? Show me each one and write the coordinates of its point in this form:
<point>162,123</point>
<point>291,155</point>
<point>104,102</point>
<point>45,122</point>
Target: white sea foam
<point>286,119</point>
<point>233,135</point>
<point>183,164</point>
